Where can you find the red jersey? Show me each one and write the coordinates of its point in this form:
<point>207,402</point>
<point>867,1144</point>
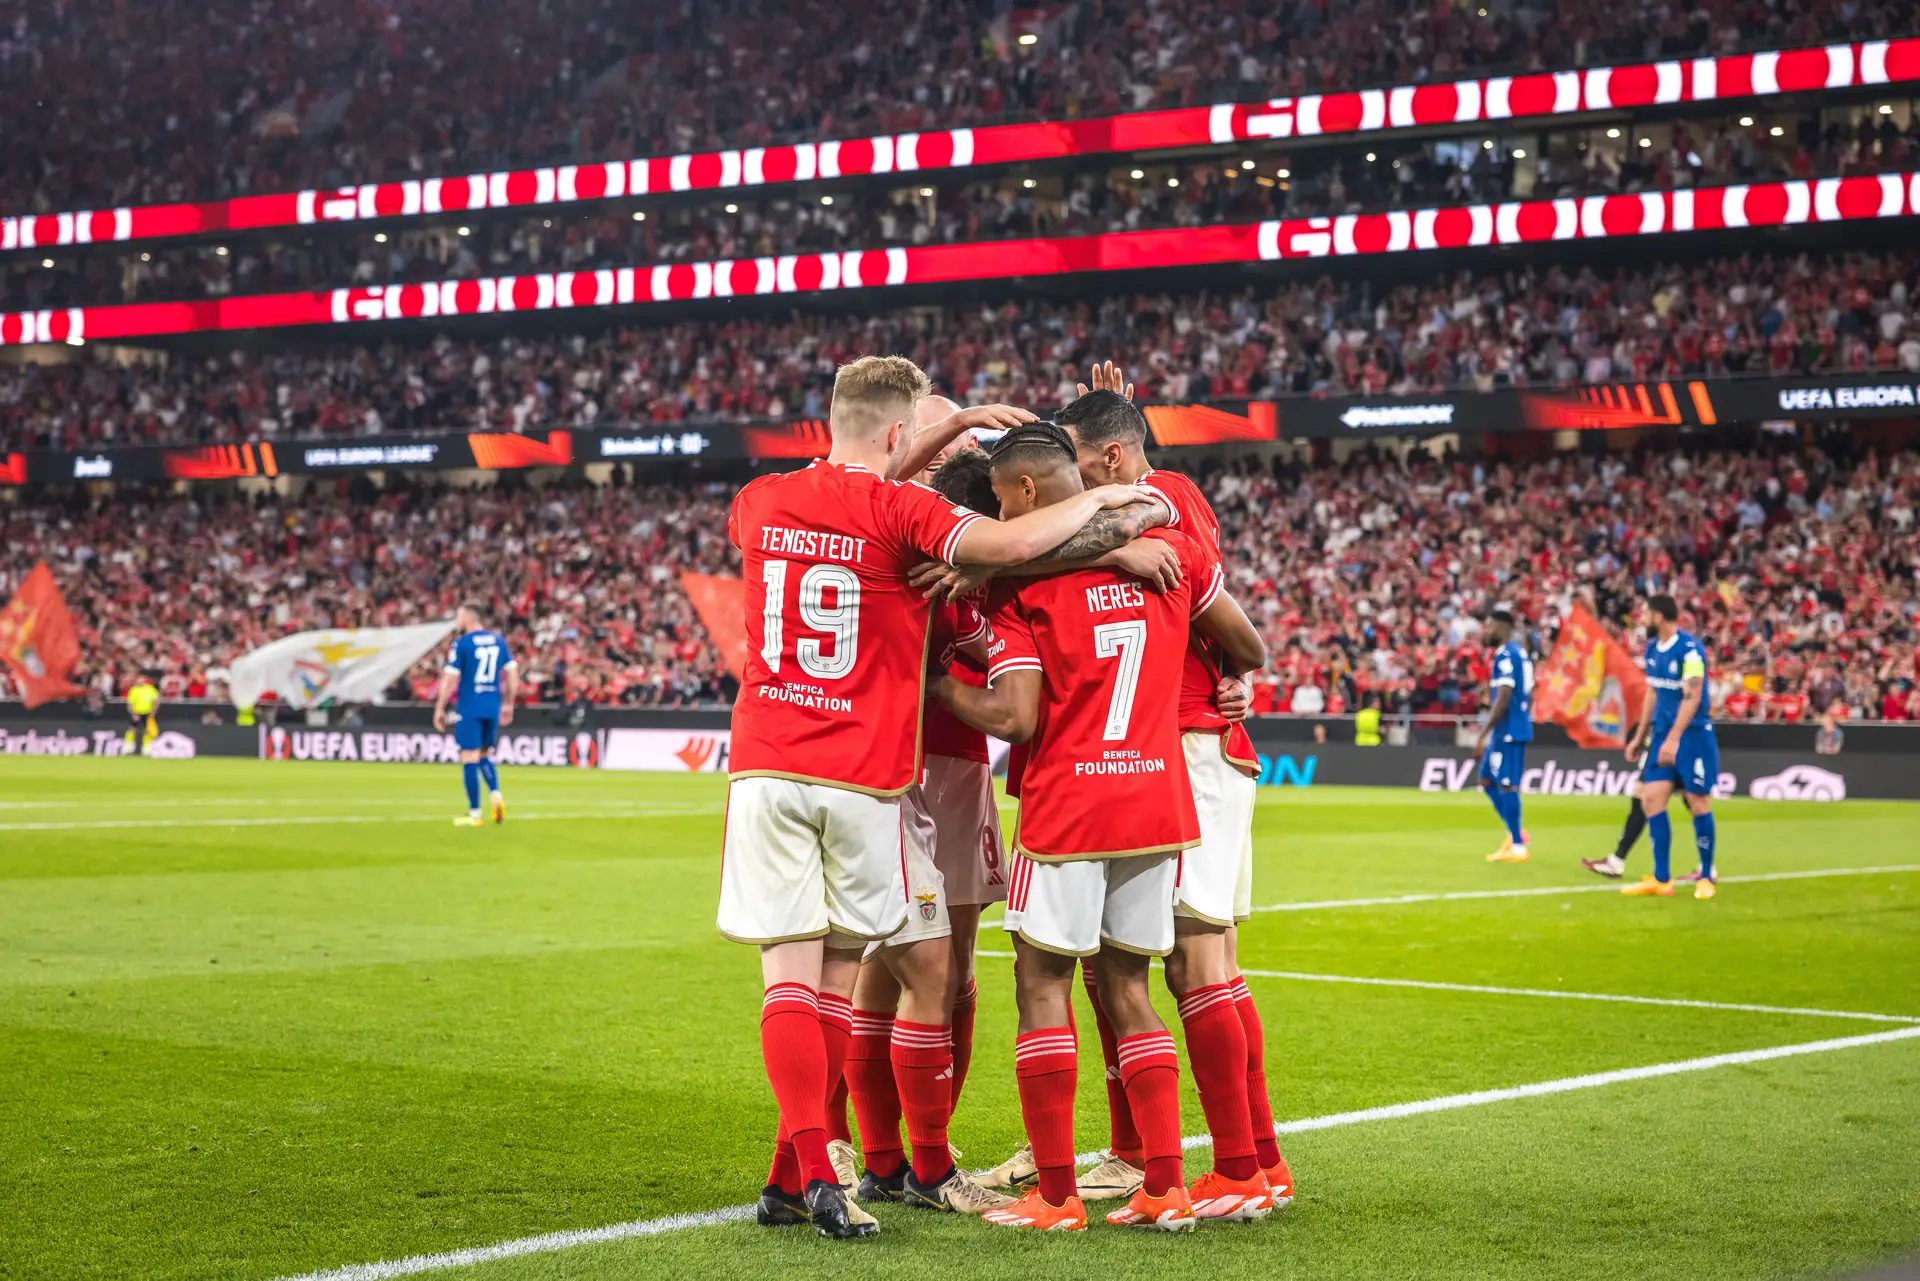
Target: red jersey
<point>1200,676</point>
<point>956,623</point>
<point>836,636</point>
<point>1105,775</point>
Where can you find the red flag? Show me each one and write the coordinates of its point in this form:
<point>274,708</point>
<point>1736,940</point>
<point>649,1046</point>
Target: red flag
<point>722,604</point>
<point>38,639</point>
<point>1589,684</point>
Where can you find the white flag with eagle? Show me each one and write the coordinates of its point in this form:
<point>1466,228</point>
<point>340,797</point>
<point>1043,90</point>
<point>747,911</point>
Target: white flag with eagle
<point>339,665</point>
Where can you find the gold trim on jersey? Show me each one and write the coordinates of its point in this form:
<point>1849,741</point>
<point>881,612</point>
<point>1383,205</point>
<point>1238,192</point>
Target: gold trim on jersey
<point>886,795</point>
<point>1096,858</point>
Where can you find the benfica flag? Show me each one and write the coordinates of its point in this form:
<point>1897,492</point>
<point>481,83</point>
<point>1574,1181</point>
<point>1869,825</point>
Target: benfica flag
<point>722,605</point>
<point>1589,684</point>
<point>38,640</point>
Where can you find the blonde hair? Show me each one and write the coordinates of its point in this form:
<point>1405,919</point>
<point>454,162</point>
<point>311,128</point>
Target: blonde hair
<point>873,392</point>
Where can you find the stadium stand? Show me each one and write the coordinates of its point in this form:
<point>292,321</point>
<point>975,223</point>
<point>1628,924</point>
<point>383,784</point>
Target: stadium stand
<point>245,99</point>
<point>1368,577</point>
<point>1233,187</point>
<point>1538,326</point>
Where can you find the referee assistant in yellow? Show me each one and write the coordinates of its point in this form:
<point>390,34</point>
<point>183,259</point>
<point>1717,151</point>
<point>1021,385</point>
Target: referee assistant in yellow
<point>143,700</point>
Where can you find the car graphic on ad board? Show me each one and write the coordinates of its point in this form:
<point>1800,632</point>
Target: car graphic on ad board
<point>1799,783</point>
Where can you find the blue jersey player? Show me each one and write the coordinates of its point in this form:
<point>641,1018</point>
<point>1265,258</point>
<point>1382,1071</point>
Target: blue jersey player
<point>1681,749</point>
<point>1502,745</point>
<point>482,673</point>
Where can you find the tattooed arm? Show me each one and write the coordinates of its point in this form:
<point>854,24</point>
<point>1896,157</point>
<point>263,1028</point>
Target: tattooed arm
<point>1108,539</point>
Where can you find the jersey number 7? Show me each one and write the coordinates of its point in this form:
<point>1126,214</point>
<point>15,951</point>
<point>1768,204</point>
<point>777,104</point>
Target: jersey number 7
<point>841,620</point>
<point>1128,640</point>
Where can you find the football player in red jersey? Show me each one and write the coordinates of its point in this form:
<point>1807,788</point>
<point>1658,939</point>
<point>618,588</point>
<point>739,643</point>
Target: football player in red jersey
<point>913,1014</point>
<point>1224,1036</point>
<point>826,735</point>
<point>1086,664</point>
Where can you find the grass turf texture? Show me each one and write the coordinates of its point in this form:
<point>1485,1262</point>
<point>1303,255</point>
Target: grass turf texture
<point>276,1045</point>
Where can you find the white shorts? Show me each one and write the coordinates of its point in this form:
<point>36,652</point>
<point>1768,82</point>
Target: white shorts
<point>966,822</point>
<point>926,882</point>
<point>803,860</point>
<point>1216,881</point>
<point>1073,908</point>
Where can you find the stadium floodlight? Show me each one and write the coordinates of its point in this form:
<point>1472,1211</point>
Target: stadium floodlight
<point>1029,39</point>
<point>1246,164</point>
<point>1776,131</point>
<point>1746,122</point>
<point>1137,174</point>
<point>1519,153</point>
<point>379,237</point>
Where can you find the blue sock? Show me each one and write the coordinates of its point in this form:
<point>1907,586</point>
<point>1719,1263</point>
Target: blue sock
<point>470,771</point>
<point>489,773</point>
<point>1660,831</point>
<point>1703,837</point>
<point>1511,812</point>
<point>1493,795</point>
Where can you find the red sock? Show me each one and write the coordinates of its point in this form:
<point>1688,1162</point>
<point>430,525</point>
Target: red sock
<point>1047,1063</point>
<point>1150,1070</point>
<point>785,1173</point>
<point>963,1008</point>
<point>796,1059</point>
<point>836,1029</point>
<point>923,1071</point>
<point>1125,1137</point>
<point>1266,1149</point>
<point>876,1099</point>
<point>1217,1053</point>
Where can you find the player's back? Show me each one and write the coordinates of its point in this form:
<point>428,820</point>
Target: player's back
<point>836,636</point>
<point>1513,670</point>
<point>1105,775</point>
<point>1205,665</point>
<point>479,657</point>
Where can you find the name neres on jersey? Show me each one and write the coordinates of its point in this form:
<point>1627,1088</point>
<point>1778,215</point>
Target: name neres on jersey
<point>814,543</point>
<point>1115,596</point>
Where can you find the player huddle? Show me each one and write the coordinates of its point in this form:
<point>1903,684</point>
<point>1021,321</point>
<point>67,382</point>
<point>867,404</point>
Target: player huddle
<point>1063,596</point>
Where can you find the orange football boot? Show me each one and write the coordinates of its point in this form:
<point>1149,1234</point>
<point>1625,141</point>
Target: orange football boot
<point>1033,1211</point>
<point>1172,1212</point>
<point>1279,1183</point>
<point>1215,1196</point>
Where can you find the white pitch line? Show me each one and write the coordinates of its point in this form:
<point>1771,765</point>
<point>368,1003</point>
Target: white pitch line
<point>1737,1006</point>
<point>672,1223</point>
<point>1593,1079</point>
<point>544,1244</point>
<point>1394,900</point>
<point>310,820</point>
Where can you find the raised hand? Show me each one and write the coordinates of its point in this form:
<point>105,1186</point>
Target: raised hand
<point>1107,377</point>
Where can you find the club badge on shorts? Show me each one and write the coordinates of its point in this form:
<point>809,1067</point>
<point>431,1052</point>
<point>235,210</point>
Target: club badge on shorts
<point>927,899</point>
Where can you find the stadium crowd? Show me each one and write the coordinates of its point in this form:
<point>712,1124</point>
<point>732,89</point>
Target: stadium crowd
<point>1529,326</point>
<point>252,98</point>
<point>1369,578</point>
<point>1365,177</point>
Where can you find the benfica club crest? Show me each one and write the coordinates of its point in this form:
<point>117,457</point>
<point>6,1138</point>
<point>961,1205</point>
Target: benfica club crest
<point>928,901</point>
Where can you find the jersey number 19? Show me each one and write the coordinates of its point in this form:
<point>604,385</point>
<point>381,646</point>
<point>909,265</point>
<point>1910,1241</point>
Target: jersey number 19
<point>839,621</point>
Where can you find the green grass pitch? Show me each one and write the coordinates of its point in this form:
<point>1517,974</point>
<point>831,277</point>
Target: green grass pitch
<point>267,1019</point>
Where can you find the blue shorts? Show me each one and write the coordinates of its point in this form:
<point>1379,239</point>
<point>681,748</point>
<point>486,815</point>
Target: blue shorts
<point>1503,764</point>
<point>476,733</point>
<point>1696,767</point>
